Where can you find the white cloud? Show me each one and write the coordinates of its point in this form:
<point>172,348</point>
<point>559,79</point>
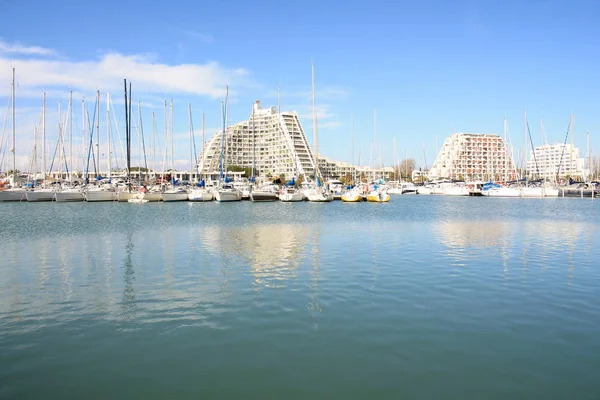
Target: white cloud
<point>16,48</point>
<point>107,73</point>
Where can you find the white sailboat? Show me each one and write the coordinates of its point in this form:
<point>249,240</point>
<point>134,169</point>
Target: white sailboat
<point>42,193</point>
<point>174,193</point>
<point>200,192</point>
<point>68,193</point>
<point>103,192</point>
<point>317,193</point>
<point>225,191</point>
<point>352,195</point>
<point>13,193</point>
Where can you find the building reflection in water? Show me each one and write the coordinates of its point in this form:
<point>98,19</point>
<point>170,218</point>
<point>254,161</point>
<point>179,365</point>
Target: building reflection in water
<point>538,242</point>
<point>273,252</point>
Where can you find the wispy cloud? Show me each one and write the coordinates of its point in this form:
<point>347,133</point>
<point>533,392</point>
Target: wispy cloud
<point>203,37</point>
<point>16,48</point>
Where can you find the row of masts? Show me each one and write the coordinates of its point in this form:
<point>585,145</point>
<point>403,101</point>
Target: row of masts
<point>91,130</point>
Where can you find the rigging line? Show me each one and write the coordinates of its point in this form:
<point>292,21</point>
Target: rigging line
<point>195,160</point>
<point>537,171</point>
<point>4,131</point>
<point>90,147</point>
<point>118,133</point>
<point>563,149</point>
<point>143,143</point>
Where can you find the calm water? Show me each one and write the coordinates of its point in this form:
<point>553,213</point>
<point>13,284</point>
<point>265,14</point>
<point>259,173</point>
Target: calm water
<point>424,297</point>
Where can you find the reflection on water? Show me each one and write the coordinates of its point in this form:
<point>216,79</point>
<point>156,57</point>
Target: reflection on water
<point>537,242</point>
<point>203,295</point>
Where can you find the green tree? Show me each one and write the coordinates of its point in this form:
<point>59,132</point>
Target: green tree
<point>346,179</point>
<point>236,168</point>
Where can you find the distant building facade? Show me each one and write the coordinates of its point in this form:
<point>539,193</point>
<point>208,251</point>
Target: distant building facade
<point>274,143</point>
<point>556,160</point>
<point>271,142</point>
<point>473,157</point>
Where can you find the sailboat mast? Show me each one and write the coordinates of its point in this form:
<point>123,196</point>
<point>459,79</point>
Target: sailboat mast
<point>253,144</point>
<point>222,142</point>
<point>98,173</point>
<point>139,132</point>
<point>70,136</point>
<point>352,135</point>
<point>571,151</point>
<point>225,119</point>
<point>44,137</point>
<point>191,141</point>
<point>154,142</point>
<point>314,114</point>
<point>85,167</point>
<point>202,146</point>
<point>108,132</point>
<point>587,145</point>
<point>127,138</point>
<point>505,151</point>
<point>60,143</point>
<point>14,130</point>
<point>172,143</point>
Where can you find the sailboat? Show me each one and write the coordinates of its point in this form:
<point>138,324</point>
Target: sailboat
<point>14,193</point>
<point>378,193</point>
<point>290,193</point>
<point>175,192</point>
<point>68,193</point>
<point>352,194</point>
<point>317,193</point>
<point>43,193</point>
<point>103,191</point>
<point>225,190</point>
<point>200,192</point>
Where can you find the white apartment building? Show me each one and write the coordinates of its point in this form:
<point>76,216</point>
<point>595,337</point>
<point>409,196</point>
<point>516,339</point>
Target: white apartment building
<point>556,160</point>
<point>473,157</point>
<point>275,143</point>
<point>271,142</point>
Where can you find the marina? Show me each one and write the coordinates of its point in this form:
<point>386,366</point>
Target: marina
<point>252,200</point>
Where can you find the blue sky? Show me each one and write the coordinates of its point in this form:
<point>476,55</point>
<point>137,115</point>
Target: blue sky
<point>428,67</point>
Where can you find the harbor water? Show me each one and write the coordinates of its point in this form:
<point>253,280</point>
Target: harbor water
<point>422,297</point>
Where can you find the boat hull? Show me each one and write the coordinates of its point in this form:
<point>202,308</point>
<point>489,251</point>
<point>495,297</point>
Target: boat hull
<point>40,195</point>
<point>200,195</point>
<point>263,196</point>
<point>12,195</point>
<point>378,198</point>
<point>225,196</point>
<point>502,192</point>
<point>291,197</point>
<point>176,196</point>
<point>69,196</point>
<point>351,197</point>
<point>125,196</point>
<point>100,195</point>
<point>153,196</point>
